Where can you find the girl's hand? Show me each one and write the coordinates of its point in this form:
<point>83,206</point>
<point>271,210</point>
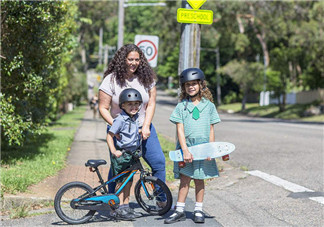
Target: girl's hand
<point>117,153</point>
<point>146,132</point>
<point>208,159</point>
<point>187,157</point>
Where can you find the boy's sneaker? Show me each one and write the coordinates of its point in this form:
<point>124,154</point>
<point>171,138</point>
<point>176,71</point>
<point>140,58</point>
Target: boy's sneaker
<point>133,212</point>
<point>199,216</point>
<point>122,214</point>
<point>175,217</point>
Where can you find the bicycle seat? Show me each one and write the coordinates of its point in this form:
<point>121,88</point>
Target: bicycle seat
<point>95,163</point>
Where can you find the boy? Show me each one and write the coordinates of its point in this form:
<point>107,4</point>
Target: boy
<point>126,130</point>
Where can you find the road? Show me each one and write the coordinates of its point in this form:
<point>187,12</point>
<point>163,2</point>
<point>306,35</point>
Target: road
<point>276,178</point>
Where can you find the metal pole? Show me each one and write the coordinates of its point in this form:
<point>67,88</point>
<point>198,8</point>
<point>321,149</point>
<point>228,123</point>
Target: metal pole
<point>106,53</point>
<point>219,100</point>
<point>100,45</point>
<point>121,13</point>
<point>264,79</point>
<point>189,55</point>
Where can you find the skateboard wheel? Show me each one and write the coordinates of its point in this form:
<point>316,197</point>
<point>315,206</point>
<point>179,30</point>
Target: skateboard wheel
<point>225,157</point>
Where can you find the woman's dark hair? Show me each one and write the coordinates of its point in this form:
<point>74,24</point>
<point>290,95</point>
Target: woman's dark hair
<point>118,67</point>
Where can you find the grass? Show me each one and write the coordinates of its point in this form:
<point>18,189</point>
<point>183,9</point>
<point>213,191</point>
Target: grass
<point>40,157</point>
<point>27,209</point>
<point>167,146</point>
<point>293,112</point>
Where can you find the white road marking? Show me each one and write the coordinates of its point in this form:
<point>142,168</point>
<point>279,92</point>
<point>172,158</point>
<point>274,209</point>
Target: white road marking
<point>285,184</point>
<point>315,127</point>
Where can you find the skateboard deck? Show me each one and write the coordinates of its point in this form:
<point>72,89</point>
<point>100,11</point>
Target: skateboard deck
<point>203,151</point>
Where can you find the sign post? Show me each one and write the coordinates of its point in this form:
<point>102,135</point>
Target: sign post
<point>191,18</point>
<point>149,45</point>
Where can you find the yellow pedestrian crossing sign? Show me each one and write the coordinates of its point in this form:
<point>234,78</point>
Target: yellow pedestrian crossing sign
<point>196,4</point>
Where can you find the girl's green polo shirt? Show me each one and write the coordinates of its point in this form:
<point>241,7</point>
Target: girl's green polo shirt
<point>196,121</point>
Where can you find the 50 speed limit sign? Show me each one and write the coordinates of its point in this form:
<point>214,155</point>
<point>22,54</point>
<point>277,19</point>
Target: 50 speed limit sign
<point>149,46</point>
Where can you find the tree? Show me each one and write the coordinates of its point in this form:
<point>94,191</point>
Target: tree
<point>246,74</point>
<point>37,40</point>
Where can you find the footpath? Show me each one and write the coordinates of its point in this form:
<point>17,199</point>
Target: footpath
<point>90,143</point>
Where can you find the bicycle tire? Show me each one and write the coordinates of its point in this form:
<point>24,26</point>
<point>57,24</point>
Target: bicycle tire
<point>150,205</point>
<point>62,203</point>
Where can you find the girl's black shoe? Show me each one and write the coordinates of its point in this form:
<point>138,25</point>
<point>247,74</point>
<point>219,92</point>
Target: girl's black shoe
<point>175,217</point>
<point>200,218</point>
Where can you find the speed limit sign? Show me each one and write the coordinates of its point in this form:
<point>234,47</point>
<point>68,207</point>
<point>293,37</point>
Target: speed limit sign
<point>149,46</point>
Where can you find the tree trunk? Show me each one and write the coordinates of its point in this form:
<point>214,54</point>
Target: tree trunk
<point>261,37</point>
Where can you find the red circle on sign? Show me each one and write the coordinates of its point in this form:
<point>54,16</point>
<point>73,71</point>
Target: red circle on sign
<point>155,49</point>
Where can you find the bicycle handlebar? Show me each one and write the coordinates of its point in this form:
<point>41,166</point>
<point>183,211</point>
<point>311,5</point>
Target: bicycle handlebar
<point>133,154</point>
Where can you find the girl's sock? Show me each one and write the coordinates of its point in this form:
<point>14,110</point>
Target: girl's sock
<point>198,207</point>
<point>180,207</point>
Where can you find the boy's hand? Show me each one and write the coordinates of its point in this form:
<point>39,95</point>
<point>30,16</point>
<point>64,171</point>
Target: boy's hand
<point>208,159</point>
<point>117,153</point>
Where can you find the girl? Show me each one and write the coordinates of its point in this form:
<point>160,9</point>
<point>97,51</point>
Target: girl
<point>195,117</point>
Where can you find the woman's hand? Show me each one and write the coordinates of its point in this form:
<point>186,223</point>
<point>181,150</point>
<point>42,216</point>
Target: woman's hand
<point>117,136</point>
<point>146,132</point>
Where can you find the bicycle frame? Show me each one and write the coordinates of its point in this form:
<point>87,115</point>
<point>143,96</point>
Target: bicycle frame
<point>112,199</point>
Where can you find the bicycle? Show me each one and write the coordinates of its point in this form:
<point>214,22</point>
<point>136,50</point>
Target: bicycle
<point>76,202</point>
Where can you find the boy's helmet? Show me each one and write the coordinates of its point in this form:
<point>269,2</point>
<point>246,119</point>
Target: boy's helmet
<point>129,95</point>
<point>191,74</point>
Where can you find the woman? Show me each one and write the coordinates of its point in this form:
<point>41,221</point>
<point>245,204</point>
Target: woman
<point>130,69</point>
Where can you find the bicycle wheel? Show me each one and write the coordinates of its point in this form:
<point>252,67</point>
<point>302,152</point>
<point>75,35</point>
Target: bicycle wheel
<point>62,203</point>
<point>153,195</point>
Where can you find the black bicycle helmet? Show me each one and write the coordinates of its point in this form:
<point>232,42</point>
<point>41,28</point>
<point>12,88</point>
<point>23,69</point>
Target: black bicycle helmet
<point>129,95</point>
<point>191,74</point>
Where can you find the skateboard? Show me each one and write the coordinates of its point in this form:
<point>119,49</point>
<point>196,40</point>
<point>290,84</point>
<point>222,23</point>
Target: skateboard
<point>203,151</point>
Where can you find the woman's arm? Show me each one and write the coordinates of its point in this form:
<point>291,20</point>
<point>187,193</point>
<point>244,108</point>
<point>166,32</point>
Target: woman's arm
<point>150,109</point>
<point>104,107</point>
<point>187,156</point>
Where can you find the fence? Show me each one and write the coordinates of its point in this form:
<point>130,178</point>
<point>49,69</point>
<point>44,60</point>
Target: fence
<point>302,97</point>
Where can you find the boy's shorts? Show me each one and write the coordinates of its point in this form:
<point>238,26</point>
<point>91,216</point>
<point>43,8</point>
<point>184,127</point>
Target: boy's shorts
<point>118,165</point>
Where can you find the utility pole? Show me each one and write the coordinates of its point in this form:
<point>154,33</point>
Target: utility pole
<point>100,45</point>
<point>189,55</point>
<point>106,53</point>
<point>219,100</point>
<point>121,13</point>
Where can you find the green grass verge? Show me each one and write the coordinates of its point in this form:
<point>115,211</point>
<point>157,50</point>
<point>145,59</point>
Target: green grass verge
<point>41,157</point>
<point>293,112</point>
<point>167,146</point>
